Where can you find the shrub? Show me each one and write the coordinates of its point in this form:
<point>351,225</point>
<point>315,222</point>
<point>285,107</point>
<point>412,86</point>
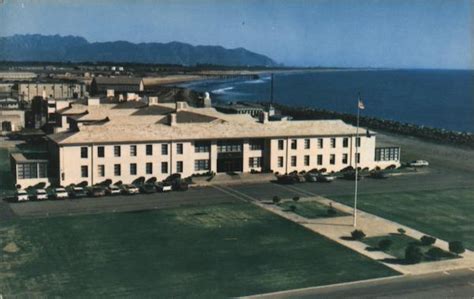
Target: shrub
<point>427,240</point>
<point>357,234</point>
<point>456,247</point>
<point>385,244</point>
<point>296,198</point>
<point>435,253</point>
<point>401,231</point>
<point>276,199</point>
<point>413,254</point>
<point>292,208</point>
<point>332,211</point>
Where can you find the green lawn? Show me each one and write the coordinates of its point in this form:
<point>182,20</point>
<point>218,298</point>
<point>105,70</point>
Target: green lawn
<point>310,209</point>
<point>214,251</point>
<point>446,214</point>
<point>399,244</point>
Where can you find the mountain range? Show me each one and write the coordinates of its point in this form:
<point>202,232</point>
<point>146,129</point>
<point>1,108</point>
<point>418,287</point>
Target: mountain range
<point>56,48</point>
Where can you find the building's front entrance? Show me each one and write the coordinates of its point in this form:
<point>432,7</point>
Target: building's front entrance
<point>229,156</point>
<point>6,126</point>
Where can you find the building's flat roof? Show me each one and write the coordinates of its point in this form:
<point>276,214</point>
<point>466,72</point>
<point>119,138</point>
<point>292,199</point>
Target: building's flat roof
<point>29,157</point>
<point>136,125</point>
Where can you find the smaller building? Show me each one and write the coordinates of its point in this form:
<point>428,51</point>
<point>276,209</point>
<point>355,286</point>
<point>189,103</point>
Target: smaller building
<point>26,91</point>
<point>16,76</point>
<point>11,120</point>
<point>29,169</point>
<point>103,85</point>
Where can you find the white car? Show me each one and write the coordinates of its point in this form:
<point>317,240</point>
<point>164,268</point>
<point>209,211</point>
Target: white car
<point>21,195</point>
<point>130,189</point>
<point>164,187</point>
<point>60,193</point>
<point>40,194</point>
<point>113,190</point>
<point>419,163</point>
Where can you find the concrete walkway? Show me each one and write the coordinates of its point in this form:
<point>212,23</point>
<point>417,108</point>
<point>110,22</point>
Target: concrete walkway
<point>238,178</point>
<point>339,229</point>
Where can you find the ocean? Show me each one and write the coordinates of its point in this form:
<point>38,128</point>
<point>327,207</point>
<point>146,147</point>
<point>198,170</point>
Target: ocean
<point>436,98</point>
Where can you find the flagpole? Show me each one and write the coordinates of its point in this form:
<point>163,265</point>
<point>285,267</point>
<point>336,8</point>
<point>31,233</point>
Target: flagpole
<point>356,167</point>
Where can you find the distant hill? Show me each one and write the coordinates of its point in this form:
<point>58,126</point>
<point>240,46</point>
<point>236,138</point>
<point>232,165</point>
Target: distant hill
<point>55,48</point>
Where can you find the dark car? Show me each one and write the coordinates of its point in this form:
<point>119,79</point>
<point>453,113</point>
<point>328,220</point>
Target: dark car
<point>147,188</point>
<point>286,179</point>
<point>378,175</point>
<point>311,177</point>
<point>180,185</point>
<point>96,191</point>
<point>76,192</point>
<point>322,178</point>
<point>351,175</point>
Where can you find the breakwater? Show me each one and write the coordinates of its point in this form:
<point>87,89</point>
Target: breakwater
<point>432,134</point>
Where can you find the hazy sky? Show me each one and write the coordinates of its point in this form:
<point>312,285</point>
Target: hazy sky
<point>376,33</point>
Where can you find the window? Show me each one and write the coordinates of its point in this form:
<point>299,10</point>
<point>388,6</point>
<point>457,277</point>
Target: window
<point>320,160</point>
<point>164,167</point>
<point>27,171</point>
<point>358,142</point>
<point>306,160</point>
<point>149,168</point>
<point>201,165</point>
<point>117,151</point>
<point>344,158</point>
<point>333,142</point>
<point>101,170</point>
<point>256,144</point>
<point>293,161</point>
<point>345,142</point>
<point>280,161</point>
<point>387,154</point>
<point>100,152</point>
<point>201,146</point>
<point>281,144</point>
<point>255,162</point>
<point>84,171</point>
<point>179,166</point>
<point>117,169</point>
<point>133,150</point>
<point>307,143</point>
<point>42,170</point>
<point>179,148</point>
<point>133,168</point>
<point>149,149</point>
<point>229,146</point>
<point>320,143</point>
<point>294,144</point>
<point>164,149</point>
<point>358,158</point>
<point>332,159</point>
<point>84,152</point>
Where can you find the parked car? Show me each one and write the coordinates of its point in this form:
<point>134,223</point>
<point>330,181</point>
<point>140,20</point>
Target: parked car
<point>378,174</point>
<point>21,195</point>
<point>350,175</point>
<point>164,187</point>
<point>324,178</point>
<point>180,185</point>
<point>96,191</point>
<point>129,189</point>
<point>40,194</point>
<point>148,188</point>
<point>311,177</point>
<point>286,179</point>
<point>113,190</point>
<point>77,192</point>
<point>60,193</point>
<point>418,163</point>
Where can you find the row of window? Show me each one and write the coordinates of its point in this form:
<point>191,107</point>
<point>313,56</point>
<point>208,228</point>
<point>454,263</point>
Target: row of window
<point>198,166</point>
<point>31,170</point>
<point>319,160</point>
<point>387,154</point>
<point>320,143</point>
<point>133,150</point>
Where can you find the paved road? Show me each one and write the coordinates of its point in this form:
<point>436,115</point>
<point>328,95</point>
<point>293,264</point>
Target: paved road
<point>452,284</point>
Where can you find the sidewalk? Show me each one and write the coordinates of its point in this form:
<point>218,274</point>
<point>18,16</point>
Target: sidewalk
<point>336,228</point>
<point>238,178</point>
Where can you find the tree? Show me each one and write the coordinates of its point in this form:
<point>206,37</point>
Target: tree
<point>456,247</point>
<point>357,234</point>
<point>385,244</point>
<point>292,208</point>
<point>413,254</point>
<point>296,198</point>
<point>401,231</point>
<point>427,240</point>
<point>435,253</point>
<point>276,199</point>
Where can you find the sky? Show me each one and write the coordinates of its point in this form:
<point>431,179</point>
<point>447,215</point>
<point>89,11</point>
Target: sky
<point>338,33</point>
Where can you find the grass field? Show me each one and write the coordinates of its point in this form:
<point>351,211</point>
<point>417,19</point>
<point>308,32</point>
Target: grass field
<point>214,251</point>
<point>310,209</point>
<point>445,214</point>
<point>400,243</point>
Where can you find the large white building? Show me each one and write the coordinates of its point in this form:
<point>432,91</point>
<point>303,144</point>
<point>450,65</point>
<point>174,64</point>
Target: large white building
<point>125,141</point>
